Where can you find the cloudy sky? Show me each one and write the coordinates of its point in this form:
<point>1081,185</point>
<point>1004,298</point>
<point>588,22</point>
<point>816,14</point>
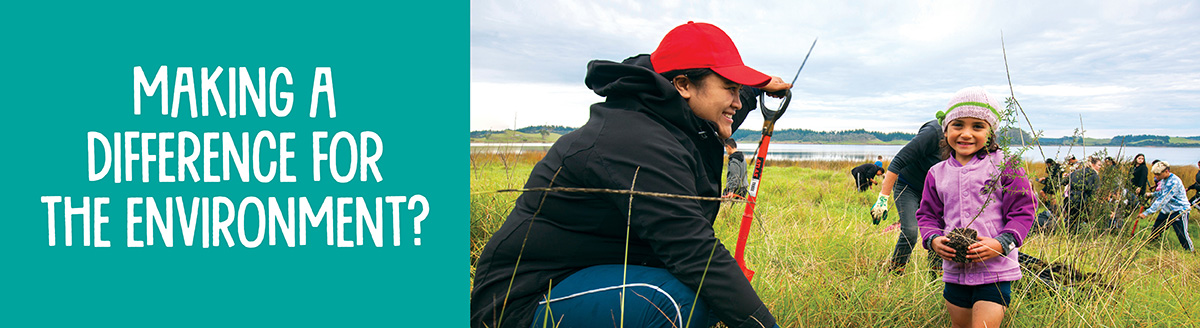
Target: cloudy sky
<point>1120,67</point>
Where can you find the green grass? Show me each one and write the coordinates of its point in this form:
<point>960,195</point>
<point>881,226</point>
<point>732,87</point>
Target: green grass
<point>819,259</point>
<point>1178,140</point>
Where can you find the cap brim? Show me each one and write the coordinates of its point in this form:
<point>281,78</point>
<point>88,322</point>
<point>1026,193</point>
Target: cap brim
<point>743,75</point>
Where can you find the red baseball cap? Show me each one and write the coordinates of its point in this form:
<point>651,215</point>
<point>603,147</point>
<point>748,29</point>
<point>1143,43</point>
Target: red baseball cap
<point>703,45</point>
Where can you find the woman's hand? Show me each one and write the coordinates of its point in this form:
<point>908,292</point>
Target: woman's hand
<point>984,249</point>
<point>939,247</point>
<point>776,85</point>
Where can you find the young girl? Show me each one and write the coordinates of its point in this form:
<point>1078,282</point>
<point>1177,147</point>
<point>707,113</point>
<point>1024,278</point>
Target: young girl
<point>970,189</point>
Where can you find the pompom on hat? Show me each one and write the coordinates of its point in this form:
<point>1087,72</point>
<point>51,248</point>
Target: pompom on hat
<point>703,45</point>
<point>970,102</point>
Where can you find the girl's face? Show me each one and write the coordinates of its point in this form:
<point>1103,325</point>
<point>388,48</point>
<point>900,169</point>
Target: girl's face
<point>967,135</point>
<point>1139,160</point>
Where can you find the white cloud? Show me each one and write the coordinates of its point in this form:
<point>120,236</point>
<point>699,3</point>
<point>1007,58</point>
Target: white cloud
<point>879,65</point>
<point>495,106</point>
<point>1067,90</point>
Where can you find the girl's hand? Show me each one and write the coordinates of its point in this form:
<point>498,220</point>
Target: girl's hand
<point>939,247</point>
<point>983,250</point>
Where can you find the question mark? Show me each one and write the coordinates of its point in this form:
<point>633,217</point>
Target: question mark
<point>417,220</point>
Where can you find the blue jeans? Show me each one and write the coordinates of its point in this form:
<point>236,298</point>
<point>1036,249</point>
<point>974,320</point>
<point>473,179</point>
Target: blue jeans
<point>592,298</point>
<point>1180,226</point>
<point>907,200</point>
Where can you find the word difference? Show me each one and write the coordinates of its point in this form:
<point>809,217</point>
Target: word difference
<point>178,155</point>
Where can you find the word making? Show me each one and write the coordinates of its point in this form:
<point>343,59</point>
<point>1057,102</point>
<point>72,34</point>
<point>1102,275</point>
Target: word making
<point>241,88</point>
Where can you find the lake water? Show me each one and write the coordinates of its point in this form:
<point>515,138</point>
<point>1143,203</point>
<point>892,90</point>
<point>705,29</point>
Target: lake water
<point>868,153</point>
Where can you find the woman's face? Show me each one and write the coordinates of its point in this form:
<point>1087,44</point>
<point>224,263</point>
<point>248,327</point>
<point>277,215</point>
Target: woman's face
<point>1139,160</point>
<point>714,99</point>
<point>966,136</point>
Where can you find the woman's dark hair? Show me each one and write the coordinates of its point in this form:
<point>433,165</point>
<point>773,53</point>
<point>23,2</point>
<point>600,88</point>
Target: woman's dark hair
<point>731,143</point>
<point>695,75</point>
<point>992,146</point>
<point>1143,156</point>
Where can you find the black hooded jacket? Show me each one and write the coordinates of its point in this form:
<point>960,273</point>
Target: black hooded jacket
<point>1139,179</point>
<point>642,130</point>
<point>865,172</point>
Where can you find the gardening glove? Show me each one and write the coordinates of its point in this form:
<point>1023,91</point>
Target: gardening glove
<point>879,211</point>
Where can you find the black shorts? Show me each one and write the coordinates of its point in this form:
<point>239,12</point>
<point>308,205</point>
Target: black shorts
<point>965,296</point>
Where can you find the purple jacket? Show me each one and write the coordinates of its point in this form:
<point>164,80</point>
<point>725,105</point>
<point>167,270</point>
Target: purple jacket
<point>954,194</point>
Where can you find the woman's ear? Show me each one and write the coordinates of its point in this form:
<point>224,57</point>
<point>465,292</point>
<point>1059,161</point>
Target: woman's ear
<point>684,86</point>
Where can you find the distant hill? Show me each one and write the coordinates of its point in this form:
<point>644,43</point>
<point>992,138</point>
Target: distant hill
<point>536,129</point>
<point>851,137</point>
<point>1142,140</point>
<point>510,136</point>
<point>858,136</point>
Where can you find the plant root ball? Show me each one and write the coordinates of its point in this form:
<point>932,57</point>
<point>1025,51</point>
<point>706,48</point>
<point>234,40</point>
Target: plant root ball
<point>960,239</point>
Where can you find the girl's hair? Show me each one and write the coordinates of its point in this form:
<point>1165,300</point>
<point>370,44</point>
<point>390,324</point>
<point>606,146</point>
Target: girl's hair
<point>1135,163</point>
<point>695,75</point>
<point>992,146</point>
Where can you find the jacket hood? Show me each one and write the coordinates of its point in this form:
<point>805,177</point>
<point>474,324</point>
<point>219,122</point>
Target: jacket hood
<point>633,85</point>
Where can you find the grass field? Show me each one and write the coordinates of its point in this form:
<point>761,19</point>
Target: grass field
<point>819,259</point>
<point>1178,140</point>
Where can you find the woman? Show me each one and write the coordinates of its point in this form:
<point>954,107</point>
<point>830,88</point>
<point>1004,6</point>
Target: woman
<point>1138,181</point>
<point>564,258</point>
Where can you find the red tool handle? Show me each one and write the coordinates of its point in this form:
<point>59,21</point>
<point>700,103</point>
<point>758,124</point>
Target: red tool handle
<point>748,217</point>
